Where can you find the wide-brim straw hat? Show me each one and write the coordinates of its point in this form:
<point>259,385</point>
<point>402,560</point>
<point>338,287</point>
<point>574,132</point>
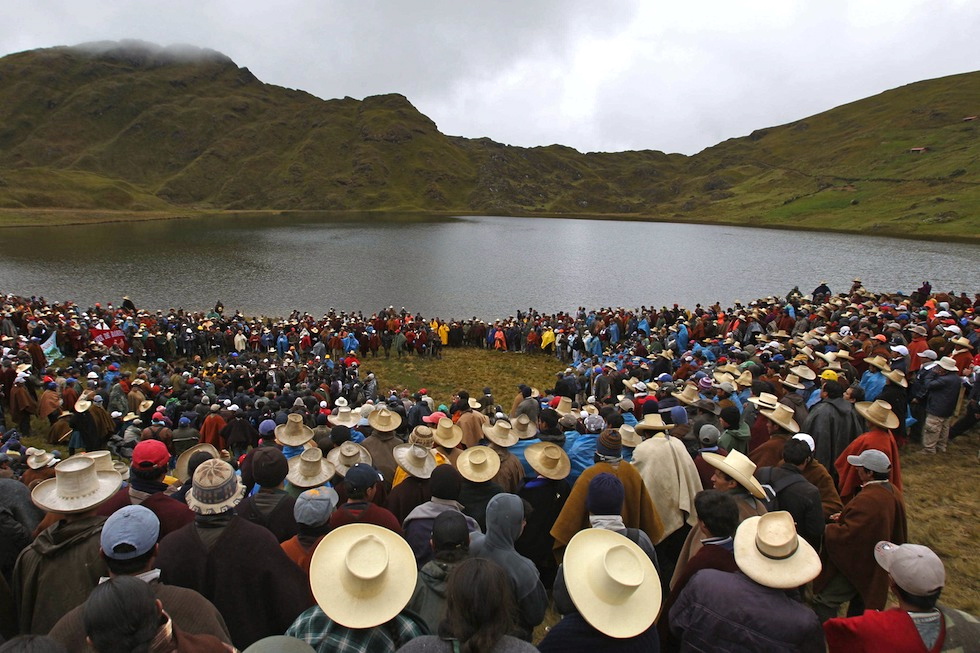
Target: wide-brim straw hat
<point>415,459</point>
<point>879,362</point>
<point>362,575</point>
<point>39,459</point>
<point>310,469</point>
<point>803,372</point>
<point>340,402</point>
<point>564,406</point>
<point>737,465</point>
<point>500,433</point>
<point>523,427</point>
<point>184,459</point>
<point>76,487</point>
<point>792,381</point>
<point>612,582</point>
<point>688,395</point>
<point>129,417</point>
<point>344,417</point>
<point>744,379</point>
<point>447,434</point>
<point>948,364</point>
<point>897,377</point>
<point>629,436</point>
<point>82,404</point>
<point>384,420</point>
<point>962,342</point>
<point>215,489</point>
<point>878,412</point>
<point>478,464</point>
<point>103,460</point>
<point>652,422</point>
<point>549,460</point>
<point>783,416</point>
<point>122,468</point>
<point>294,433</point>
<point>347,455</point>
<point>630,383</point>
<point>145,405</point>
<point>765,400</point>
<point>769,551</point>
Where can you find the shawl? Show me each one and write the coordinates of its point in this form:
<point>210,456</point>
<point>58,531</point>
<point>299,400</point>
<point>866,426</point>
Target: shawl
<point>639,510</point>
<point>671,478</point>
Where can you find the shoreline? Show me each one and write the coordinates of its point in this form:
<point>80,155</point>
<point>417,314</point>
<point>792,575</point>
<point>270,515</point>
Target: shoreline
<point>83,217</point>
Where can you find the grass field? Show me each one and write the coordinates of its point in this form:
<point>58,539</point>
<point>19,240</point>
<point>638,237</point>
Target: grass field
<point>941,496</point>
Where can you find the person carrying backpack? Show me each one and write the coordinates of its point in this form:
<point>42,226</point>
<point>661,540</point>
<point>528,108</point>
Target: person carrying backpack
<point>787,489</point>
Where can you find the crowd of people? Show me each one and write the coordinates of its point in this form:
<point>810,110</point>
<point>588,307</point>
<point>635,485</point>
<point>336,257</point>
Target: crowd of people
<point>700,479</point>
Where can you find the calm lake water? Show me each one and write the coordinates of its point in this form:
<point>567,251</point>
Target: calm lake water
<point>486,267</point>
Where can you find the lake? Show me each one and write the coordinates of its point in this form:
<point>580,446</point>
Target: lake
<point>474,266</point>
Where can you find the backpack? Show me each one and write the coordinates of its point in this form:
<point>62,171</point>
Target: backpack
<point>773,488</point>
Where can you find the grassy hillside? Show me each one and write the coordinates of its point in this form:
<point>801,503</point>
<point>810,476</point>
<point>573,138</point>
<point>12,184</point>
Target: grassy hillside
<point>133,127</point>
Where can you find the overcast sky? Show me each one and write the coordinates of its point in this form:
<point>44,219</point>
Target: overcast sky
<point>595,75</point>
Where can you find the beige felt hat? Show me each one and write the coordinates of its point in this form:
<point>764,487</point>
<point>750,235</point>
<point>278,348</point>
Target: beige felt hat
<point>384,420</point>
<point>216,488</point>
<point>878,412</point>
<point>146,405</point>
<point>40,458</point>
<point>416,460</point>
<point>688,395</point>
<point>310,469</point>
<point>737,465</point>
<point>294,433</point>
<point>523,427</point>
<point>447,434</point>
<point>879,362</point>
<point>564,406</point>
<point>802,372</point>
<point>792,381</point>
<point>612,582</point>
<point>769,551</point>
<point>347,455</point>
<point>103,460</point>
<point>652,422</point>
<point>501,434</point>
<point>344,417</point>
<point>362,575</point>
<point>948,364</point>
<point>765,400</point>
<point>629,436</point>
<point>184,459</point>
<point>783,416</point>
<point>549,460</point>
<point>897,377</point>
<point>478,464</point>
<point>744,379</point>
<point>76,487</point>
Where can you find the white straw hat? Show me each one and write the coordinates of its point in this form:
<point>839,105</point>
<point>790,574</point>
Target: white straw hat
<point>500,433</point>
<point>447,434</point>
<point>347,455</point>
<point>549,460</point>
<point>362,575</point>
<point>769,551</point>
<point>294,433</point>
<point>76,487</point>
<point>310,469</point>
<point>737,465</point>
<point>478,464</point>
<point>416,460</point>
<point>344,417</point>
<point>612,582</point>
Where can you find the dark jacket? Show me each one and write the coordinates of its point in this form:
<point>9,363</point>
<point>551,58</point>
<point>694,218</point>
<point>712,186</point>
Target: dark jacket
<point>505,514</point>
<point>797,496</point>
<point>834,424</point>
<point>246,575</point>
<point>942,393</point>
<point>57,572</point>
<point>721,611</point>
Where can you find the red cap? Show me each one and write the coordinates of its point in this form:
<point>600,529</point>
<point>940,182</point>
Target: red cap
<point>150,453</point>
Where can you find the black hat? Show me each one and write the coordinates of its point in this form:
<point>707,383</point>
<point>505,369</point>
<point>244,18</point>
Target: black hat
<point>445,482</point>
<point>450,531</point>
<point>269,466</point>
<point>362,477</point>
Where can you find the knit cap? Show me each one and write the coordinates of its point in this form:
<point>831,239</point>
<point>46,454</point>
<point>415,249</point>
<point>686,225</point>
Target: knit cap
<point>610,443</point>
<point>606,495</point>
<point>445,482</point>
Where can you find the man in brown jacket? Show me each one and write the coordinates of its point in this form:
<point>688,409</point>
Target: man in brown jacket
<point>129,548</point>
<point>876,513</point>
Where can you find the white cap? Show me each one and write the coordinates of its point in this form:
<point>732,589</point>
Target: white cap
<point>806,437</point>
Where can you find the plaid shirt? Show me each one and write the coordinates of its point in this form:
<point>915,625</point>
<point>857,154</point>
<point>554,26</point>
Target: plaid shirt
<point>323,634</point>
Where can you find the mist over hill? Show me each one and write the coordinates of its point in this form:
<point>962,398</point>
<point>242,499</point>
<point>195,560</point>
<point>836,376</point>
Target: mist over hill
<point>134,126</point>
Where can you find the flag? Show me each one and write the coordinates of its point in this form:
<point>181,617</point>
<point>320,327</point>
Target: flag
<point>50,348</point>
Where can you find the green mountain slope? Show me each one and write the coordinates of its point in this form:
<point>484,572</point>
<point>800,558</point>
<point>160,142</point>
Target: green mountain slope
<point>133,127</point>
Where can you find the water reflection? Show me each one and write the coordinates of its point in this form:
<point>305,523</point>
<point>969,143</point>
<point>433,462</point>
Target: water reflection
<point>469,266</point>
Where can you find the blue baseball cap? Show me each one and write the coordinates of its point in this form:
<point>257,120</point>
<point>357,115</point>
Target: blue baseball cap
<point>129,532</point>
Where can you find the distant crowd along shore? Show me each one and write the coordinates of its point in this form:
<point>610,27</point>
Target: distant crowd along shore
<point>794,410</point>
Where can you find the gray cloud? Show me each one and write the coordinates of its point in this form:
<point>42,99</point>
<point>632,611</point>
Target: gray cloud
<point>595,76</point>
